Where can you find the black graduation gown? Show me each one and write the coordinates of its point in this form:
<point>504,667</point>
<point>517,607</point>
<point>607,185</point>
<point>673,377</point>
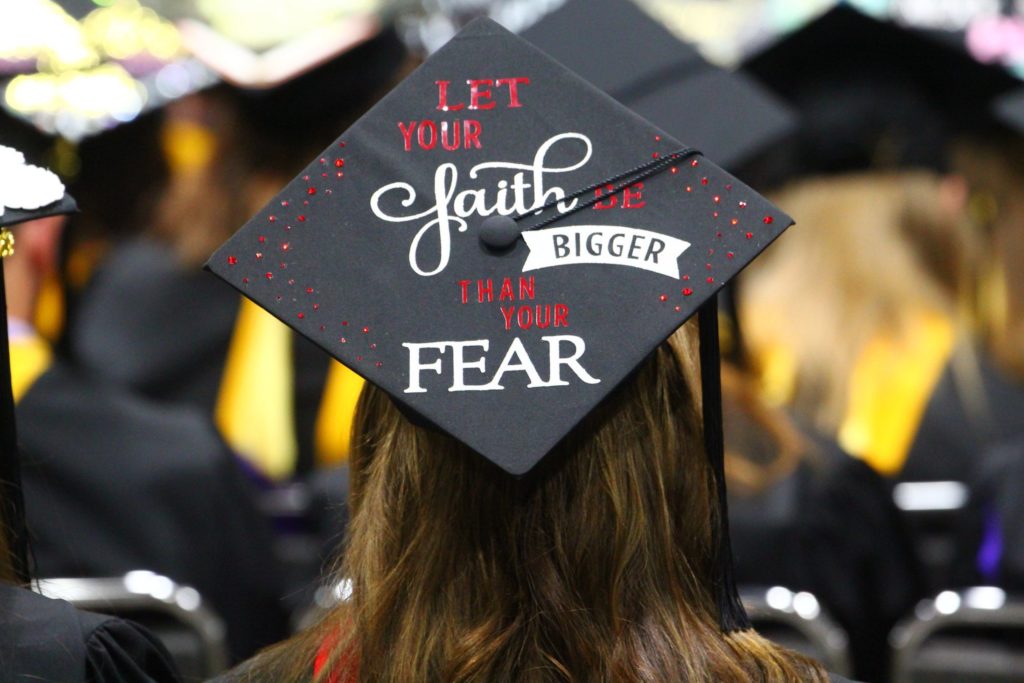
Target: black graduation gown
<point>830,528</point>
<point>115,483</point>
<point>150,324</point>
<point>951,437</point>
<point>49,640</point>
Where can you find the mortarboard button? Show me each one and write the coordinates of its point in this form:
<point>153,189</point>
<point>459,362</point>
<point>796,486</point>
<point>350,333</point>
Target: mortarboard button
<point>499,232</point>
<point>374,250</point>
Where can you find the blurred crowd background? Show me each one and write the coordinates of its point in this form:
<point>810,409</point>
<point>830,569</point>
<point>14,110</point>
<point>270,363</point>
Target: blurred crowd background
<point>184,452</point>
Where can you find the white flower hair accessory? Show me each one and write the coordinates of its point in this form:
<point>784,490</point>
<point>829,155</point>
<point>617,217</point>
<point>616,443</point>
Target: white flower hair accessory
<point>24,186</point>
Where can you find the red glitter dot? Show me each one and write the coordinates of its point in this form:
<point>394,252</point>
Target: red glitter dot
<point>687,291</point>
<point>767,220</point>
<point>339,163</point>
<point>694,163</point>
<point>341,144</point>
<point>285,246</point>
<point>366,330</point>
<point>323,327</point>
<point>329,191</point>
<point>373,346</point>
<point>655,155</point>
<point>657,138</point>
<point>322,160</point>
<point>750,235</point>
<point>718,234</point>
<point>344,323</point>
<point>710,252</point>
<point>291,281</point>
<point>743,205</point>
<point>678,308</point>
<point>359,357</point>
<point>324,174</point>
<point>663,297</point>
<point>686,277</point>
<point>270,276</point>
<point>340,174</point>
<point>305,203</point>
<point>715,214</point>
<point>272,219</point>
<point>343,340</point>
<point>689,189</point>
<point>675,170</point>
<point>708,266</point>
<point>710,279</point>
<point>279,297</point>
<point>305,177</point>
<point>301,316</point>
<point>734,221</point>
<point>379,364</point>
<point>259,255</point>
<point>245,280</point>
<point>716,199</point>
<point>316,307</point>
<point>704,181</point>
<point>284,202</point>
<point>728,186</point>
<point>232,260</point>
<point>282,264</point>
<point>261,239</point>
<point>311,191</point>
<point>302,219</point>
<point>730,255</point>
<point>309,290</point>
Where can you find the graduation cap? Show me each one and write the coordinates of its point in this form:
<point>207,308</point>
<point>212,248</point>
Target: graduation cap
<point>498,244</point>
<point>874,94</point>
<point>27,193</point>
<point>621,49</point>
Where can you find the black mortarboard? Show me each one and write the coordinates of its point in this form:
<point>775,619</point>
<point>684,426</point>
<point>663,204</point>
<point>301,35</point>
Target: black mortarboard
<point>874,94</point>
<point>397,249</point>
<point>26,193</point>
<point>624,51</point>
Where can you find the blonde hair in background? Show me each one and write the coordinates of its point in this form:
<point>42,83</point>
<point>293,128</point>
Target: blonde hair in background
<point>595,567</point>
<point>869,255</point>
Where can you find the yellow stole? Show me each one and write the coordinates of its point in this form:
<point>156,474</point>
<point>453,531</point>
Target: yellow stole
<point>30,357</point>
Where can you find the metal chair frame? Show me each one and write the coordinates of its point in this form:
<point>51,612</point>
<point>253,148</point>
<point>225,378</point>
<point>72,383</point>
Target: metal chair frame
<point>144,590</point>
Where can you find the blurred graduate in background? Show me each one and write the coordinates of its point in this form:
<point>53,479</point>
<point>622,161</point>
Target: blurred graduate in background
<point>116,481</point>
<point>40,638</point>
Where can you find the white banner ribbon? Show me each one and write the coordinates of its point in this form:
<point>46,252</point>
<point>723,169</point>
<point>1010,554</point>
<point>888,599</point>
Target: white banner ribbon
<point>610,244</point>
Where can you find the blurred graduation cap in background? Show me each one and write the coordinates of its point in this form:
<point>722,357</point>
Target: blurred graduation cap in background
<point>621,49</point>
<point>873,94</point>
<point>27,193</point>
<point>497,244</point>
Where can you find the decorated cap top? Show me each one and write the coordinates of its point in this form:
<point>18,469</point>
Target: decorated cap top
<point>498,244</point>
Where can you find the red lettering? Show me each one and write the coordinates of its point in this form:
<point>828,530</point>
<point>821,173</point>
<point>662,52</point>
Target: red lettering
<point>525,324</point>
<point>545,319</point>
<point>633,200</point>
<point>471,134</point>
<point>507,293</point>
<point>610,202</point>
<point>484,287</point>
<point>526,286</point>
<point>513,89</point>
<point>506,313</point>
<point>561,315</point>
<point>478,95</point>
<point>442,97</point>
<point>450,144</point>
<point>433,135</point>
<point>407,134</point>
<point>464,286</point>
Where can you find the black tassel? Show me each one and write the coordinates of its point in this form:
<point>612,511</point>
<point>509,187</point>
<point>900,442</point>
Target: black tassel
<point>731,614</point>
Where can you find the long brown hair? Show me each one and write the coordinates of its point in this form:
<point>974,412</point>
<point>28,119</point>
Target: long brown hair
<point>872,253</point>
<point>597,566</point>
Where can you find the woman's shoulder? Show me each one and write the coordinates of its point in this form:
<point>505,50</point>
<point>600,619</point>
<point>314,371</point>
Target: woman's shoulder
<point>46,639</point>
